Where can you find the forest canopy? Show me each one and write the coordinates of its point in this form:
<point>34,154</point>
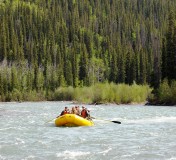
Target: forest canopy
<point>46,44</point>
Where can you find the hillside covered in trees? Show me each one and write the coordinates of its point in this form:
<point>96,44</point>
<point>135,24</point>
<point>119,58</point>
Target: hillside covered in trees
<point>46,44</point>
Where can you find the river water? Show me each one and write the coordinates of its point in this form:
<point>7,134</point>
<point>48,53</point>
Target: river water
<point>146,133</point>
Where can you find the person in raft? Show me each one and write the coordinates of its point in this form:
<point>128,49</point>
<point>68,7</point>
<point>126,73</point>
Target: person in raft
<point>65,111</point>
<point>73,110</point>
<point>78,112</point>
<point>84,112</point>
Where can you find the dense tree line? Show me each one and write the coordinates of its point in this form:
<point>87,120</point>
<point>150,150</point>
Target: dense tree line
<point>165,94</point>
<point>45,44</point>
<point>169,50</point>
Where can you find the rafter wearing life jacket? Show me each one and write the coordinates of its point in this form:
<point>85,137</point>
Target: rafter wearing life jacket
<point>65,111</point>
<point>84,113</point>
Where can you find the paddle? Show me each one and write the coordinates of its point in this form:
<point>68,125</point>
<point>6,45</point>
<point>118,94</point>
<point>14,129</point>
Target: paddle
<point>106,120</point>
<point>50,120</point>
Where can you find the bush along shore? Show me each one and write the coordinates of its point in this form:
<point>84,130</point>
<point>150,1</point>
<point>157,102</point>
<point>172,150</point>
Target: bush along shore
<point>165,95</point>
<point>101,93</point>
<point>98,93</point>
<point>104,93</point>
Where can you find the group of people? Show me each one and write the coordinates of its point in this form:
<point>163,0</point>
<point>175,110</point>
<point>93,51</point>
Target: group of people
<point>85,113</point>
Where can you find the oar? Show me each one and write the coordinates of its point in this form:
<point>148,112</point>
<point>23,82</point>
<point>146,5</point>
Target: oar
<point>50,120</point>
<point>106,120</point>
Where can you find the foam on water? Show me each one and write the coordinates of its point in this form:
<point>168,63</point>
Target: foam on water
<point>71,154</point>
<point>19,141</point>
<point>3,129</point>
<point>173,158</point>
<point>105,151</point>
<point>152,120</point>
<point>30,157</point>
<point>2,158</point>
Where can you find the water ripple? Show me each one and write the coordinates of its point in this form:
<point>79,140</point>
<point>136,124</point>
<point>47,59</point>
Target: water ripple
<point>145,133</point>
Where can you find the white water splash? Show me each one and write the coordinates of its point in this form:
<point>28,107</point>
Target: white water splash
<point>153,120</point>
<point>2,158</point>
<point>105,151</point>
<point>29,157</point>
<point>71,154</point>
<point>3,129</point>
<point>173,158</point>
<point>19,141</point>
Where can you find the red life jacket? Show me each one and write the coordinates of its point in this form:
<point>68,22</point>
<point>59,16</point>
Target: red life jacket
<point>64,112</point>
<point>84,113</point>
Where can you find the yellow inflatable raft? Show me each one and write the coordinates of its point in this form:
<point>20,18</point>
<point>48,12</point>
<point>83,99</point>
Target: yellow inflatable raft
<point>72,120</point>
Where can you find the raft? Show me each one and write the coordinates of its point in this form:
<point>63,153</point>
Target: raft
<point>72,120</point>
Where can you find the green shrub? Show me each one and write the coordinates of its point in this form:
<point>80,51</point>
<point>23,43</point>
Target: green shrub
<point>15,95</point>
<point>64,93</point>
<point>164,92</point>
<point>83,95</point>
<point>173,91</point>
<point>104,93</point>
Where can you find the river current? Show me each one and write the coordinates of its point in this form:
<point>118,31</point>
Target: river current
<point>146,133</point>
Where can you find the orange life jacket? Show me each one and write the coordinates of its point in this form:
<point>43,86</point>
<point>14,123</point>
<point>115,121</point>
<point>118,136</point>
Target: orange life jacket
<point>64,112</point>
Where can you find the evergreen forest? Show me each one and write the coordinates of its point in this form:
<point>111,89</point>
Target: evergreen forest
<point>50,44</point>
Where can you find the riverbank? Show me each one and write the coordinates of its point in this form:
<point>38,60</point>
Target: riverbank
<point>100,93</point>
<point>156,103</point>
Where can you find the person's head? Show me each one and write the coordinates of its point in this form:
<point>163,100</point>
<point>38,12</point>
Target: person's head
<point>83,107</point>
<point>66,108</point>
